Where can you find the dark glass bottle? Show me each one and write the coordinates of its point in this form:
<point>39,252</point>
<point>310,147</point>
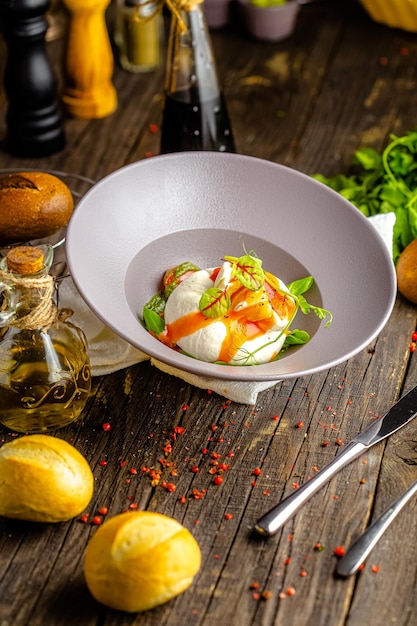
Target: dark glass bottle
<point>195,115</point>
<point>34,122</point>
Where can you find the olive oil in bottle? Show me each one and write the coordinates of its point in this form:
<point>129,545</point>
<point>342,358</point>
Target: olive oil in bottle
<point>45,377</point>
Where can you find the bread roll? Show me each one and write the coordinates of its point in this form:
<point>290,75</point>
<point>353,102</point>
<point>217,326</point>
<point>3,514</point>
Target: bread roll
<point>33,205</point>
<point>43,479</point>
<point>407,272</point>
<point>139,560</point>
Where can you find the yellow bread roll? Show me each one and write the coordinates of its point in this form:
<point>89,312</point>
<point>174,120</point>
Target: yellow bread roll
<point>43,479</point>
<point>406,269</point>
<point>139,560</point>
<point>33,205</point>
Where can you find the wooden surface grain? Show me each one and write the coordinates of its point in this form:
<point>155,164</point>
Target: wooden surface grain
<point>341,82</point>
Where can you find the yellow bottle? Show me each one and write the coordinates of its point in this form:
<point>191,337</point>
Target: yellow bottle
<point>45,377</point>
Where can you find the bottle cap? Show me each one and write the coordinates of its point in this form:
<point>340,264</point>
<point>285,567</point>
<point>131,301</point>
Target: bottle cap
<point>25,260</point>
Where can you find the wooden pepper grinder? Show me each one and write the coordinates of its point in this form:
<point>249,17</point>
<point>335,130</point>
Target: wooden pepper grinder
<point>88,66</point>
<point>33,118</point>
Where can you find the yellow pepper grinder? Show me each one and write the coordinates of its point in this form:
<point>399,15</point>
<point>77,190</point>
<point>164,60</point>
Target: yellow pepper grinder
<point>88,67</point>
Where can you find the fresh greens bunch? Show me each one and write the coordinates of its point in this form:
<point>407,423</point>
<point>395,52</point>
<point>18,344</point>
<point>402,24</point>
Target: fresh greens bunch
<point>384,183</point>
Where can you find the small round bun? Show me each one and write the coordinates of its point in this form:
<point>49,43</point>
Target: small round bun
<point>139,560</point>
<point>43,479</point>
<point>33,205</point>
<point>407,272</point>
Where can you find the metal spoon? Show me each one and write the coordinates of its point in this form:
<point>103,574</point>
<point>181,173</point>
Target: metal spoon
<point>359,550</point>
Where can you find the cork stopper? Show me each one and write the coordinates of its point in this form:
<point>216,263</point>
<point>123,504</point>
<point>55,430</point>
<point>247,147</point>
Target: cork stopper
<point>25,260</point>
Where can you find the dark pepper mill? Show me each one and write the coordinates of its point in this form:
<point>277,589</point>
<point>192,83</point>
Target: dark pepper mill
<point>33,118</point>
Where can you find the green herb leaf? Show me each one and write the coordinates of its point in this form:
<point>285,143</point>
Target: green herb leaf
<point>153,322</point>
<point>214,302</point>
<point>300,286</point>
<point>296,337</point>
<point>248,271</point>
<point>382,183</point>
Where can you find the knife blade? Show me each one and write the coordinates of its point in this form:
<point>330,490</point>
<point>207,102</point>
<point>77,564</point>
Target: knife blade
<point>400,414</point>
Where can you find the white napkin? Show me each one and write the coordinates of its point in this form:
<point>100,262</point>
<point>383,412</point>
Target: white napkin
<point>108,352</point>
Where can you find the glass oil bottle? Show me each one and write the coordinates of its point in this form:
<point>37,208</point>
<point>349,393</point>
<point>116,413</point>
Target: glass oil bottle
<point>195,115</point>
<point>45,377</point>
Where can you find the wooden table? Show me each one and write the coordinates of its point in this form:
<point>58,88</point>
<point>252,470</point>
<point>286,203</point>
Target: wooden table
<point>341,82</point>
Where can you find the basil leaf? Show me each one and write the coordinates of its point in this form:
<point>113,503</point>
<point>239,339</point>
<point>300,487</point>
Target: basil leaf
<point>153,322</point>
<point>300,286</point>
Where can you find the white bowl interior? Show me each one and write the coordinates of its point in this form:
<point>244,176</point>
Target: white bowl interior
<point>154,214</point>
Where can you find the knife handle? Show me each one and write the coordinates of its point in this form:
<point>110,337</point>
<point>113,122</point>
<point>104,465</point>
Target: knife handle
<point>359,550</point>
<point>272,521</point>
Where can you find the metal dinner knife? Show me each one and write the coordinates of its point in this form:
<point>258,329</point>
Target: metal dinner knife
<point>398,415</point>
<point>362,547</point>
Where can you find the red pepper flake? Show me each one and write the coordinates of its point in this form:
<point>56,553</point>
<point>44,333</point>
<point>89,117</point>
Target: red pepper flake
<point>214,428</point>
<point>103,463</point>
<point>303,573</point>
<point>414,336</point>
<point>182,499</point>
<point>179,430</point>
<point>287,561</point>
<point>256,595</point>
<point>266,595</point>
<point>122,463</point>
<point>266,492</point>
<point>224,467</point>
<point>230,454</point>
<point>104,510</point>
<point>290,591</point>
<point>228,516</point>
<point>171,487</point>
<point>144,469</point>
<point>216,455</point>
<point>185,407</point>
<point>84,518</point>
<point>195,469</point>
<point>412,346</point>
<point>375,569</point>
<point>133,471</point>
<point>133,506</point>
<point>300,424</point>
<point>339,442</point>
<point>361,566</point>
<point>174,472</point>
<point>290,537</point>
<point>257,471</point>
<point>218,480</point>
<point>318,547</point>
<point>315,468</point>
<point>106,426</point>
<point>339,551</point>
<point>148,154</point>
<point>167,449</point>
<point>96,520</point>
<point>153,128</point>
<point>296,485</point>
<point>254,585</point>
<point>324,444</point>
<point>204,451</point>
<point>335,497</point>
<point>362,481</point>
<point>275,418</point>
<point>212,470</point>
<point>197,494</point>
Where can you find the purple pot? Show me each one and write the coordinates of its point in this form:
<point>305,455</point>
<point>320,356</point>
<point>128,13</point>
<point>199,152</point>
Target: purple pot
<point>273,23</point>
